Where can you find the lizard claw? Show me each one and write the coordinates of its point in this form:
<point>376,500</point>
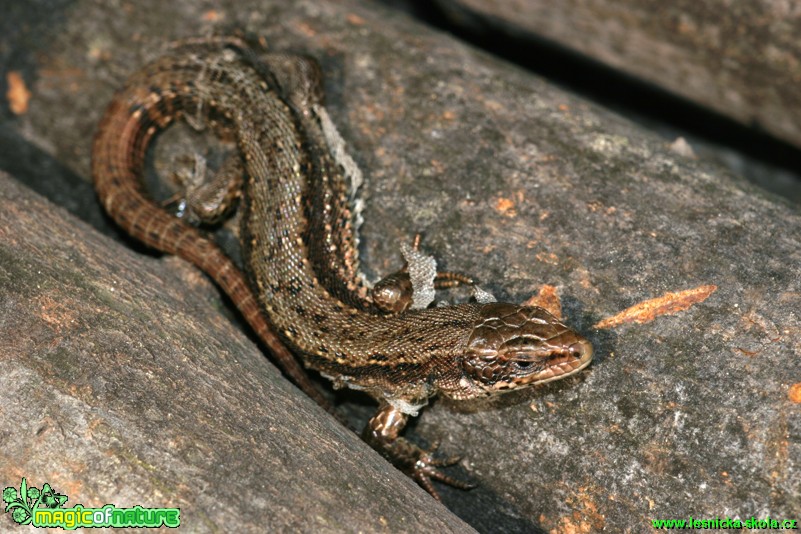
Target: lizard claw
<point>425,470</point>
<point>420,464</point>
<point>428,456</point>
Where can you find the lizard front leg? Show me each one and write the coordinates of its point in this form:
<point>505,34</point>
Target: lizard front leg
<point>395,293</point>
<point>383,434</point>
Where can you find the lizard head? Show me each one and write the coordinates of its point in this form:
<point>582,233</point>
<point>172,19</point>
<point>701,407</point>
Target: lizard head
<point>515,346</point>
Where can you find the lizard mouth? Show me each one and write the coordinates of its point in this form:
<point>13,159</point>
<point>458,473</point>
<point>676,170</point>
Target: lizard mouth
<point>559,364</point>
<point>563,365</point>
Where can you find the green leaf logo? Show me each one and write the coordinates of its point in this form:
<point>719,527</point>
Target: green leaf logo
<point>22,504</point>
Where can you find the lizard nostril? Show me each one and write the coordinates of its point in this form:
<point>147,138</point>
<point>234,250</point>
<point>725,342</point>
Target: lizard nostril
<point>581,350</point>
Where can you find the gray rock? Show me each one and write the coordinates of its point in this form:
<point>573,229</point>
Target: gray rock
<point>121,383</point>
<point>739,59</point>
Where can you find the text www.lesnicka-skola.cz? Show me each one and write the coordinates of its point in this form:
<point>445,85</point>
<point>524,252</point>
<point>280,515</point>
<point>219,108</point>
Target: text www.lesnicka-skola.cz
<point>725,523</point>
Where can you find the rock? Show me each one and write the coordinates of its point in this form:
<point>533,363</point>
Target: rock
<point>121,383</point>
<point>739,59</point>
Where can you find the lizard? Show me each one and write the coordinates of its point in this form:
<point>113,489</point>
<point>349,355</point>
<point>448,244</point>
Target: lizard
<point>301,291</point>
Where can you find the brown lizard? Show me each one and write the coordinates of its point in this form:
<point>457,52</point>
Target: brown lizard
<point>302,289</point>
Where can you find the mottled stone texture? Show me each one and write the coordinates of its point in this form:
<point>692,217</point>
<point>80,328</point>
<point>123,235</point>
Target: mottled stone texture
<point>741,59</point>
<point>120,382</point>
<point>510,180</point>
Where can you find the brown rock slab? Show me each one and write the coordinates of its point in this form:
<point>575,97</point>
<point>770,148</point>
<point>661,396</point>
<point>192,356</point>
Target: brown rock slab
<point>121,383</point>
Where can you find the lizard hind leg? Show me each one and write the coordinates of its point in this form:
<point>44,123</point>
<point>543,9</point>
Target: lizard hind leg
<point>208,201</point>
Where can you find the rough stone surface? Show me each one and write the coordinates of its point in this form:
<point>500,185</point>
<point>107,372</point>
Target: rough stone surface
<point>121,383</point>
<point>694,412</point>
<point>742,59</point>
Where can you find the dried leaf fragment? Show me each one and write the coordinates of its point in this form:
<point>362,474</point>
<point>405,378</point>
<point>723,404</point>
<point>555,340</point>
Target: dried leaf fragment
<point>17,94</point>
<point>548,299</point>
<point>506,207</point>
<point>212,15</point>
<point>794,393</point>
<point>355,19</point>
<point>668,304</point>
